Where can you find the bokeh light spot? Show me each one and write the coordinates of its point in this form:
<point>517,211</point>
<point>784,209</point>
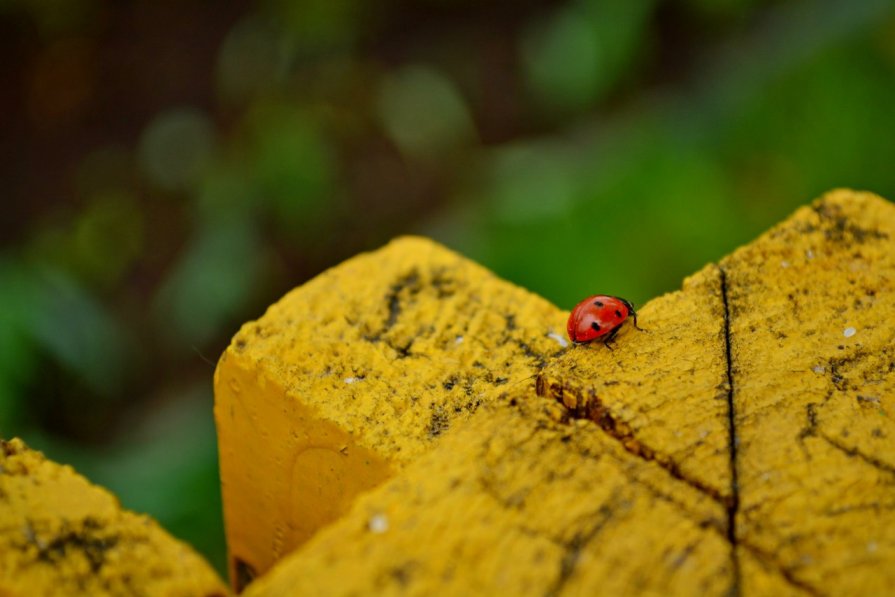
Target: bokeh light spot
<point>176,147</point>
<point>253,58</point>
<point>562,59</point>
<point>423,112</point>
<point>531,183</point>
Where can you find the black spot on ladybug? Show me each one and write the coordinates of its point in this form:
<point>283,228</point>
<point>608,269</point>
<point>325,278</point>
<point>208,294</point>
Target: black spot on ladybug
<point>598,303</point>
<point>618,313</point>
<point>595,326</point>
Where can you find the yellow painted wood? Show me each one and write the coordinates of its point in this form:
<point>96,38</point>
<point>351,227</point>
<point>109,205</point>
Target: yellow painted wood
<point>813,354</point>
<point>663,393</point>
<point>617,472</point>
<point>353,375</point>
<point>522,501</point>
<point>60,535</point>
<point>572,483</point>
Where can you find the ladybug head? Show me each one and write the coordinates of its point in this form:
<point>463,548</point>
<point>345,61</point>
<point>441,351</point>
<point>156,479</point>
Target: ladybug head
<point>628,304</point>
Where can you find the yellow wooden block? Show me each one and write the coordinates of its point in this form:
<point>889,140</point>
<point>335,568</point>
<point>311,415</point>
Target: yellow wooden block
<point>521,501</point>
<point>576,482</point>
<point>60,535</point>
<point>353,375</point>
<point>619,472</point>
<point>812,328</point>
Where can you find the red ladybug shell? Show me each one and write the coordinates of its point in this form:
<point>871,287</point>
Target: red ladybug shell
<point>598,315</point>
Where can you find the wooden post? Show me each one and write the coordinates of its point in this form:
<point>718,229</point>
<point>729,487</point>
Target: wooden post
<point>60,535</point>
<point>354,375</point>
<point>742,445</point>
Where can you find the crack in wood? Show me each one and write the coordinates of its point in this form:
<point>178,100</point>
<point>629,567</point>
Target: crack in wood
<point>594,410</point>
<point>733,440</point>
<point>733,508</point>
<point>785,573</point>
<point>683,509</point>
<point>812,429</point>
<point>855,453</point>
<point>576,545</point>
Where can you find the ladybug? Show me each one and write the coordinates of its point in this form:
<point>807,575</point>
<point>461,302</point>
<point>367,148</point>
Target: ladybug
<point>599,316</point>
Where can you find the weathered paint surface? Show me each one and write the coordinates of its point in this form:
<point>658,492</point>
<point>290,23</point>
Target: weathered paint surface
<point>355,374</point>
<point>742,445</point>
<point>60,535</point>
<point>812,328</point>
<point>577,480</point>
<point>521,501</point>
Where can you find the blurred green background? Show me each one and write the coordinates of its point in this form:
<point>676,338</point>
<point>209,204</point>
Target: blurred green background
<point>171,168</point>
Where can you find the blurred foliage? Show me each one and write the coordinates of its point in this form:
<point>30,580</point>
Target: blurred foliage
<point>172,168</point>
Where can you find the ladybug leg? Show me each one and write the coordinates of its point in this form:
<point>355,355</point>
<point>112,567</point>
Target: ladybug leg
<point>632,312</point>
<point>633,315</point>
<point>609,337</point>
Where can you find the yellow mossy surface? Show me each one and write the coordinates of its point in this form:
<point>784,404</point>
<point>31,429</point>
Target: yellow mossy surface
<point>814,404</point>
<point>618,472</point>
<point>354,374</point>
<point>60,535</point>
<point>558,495</point>
<point>521,501</point>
